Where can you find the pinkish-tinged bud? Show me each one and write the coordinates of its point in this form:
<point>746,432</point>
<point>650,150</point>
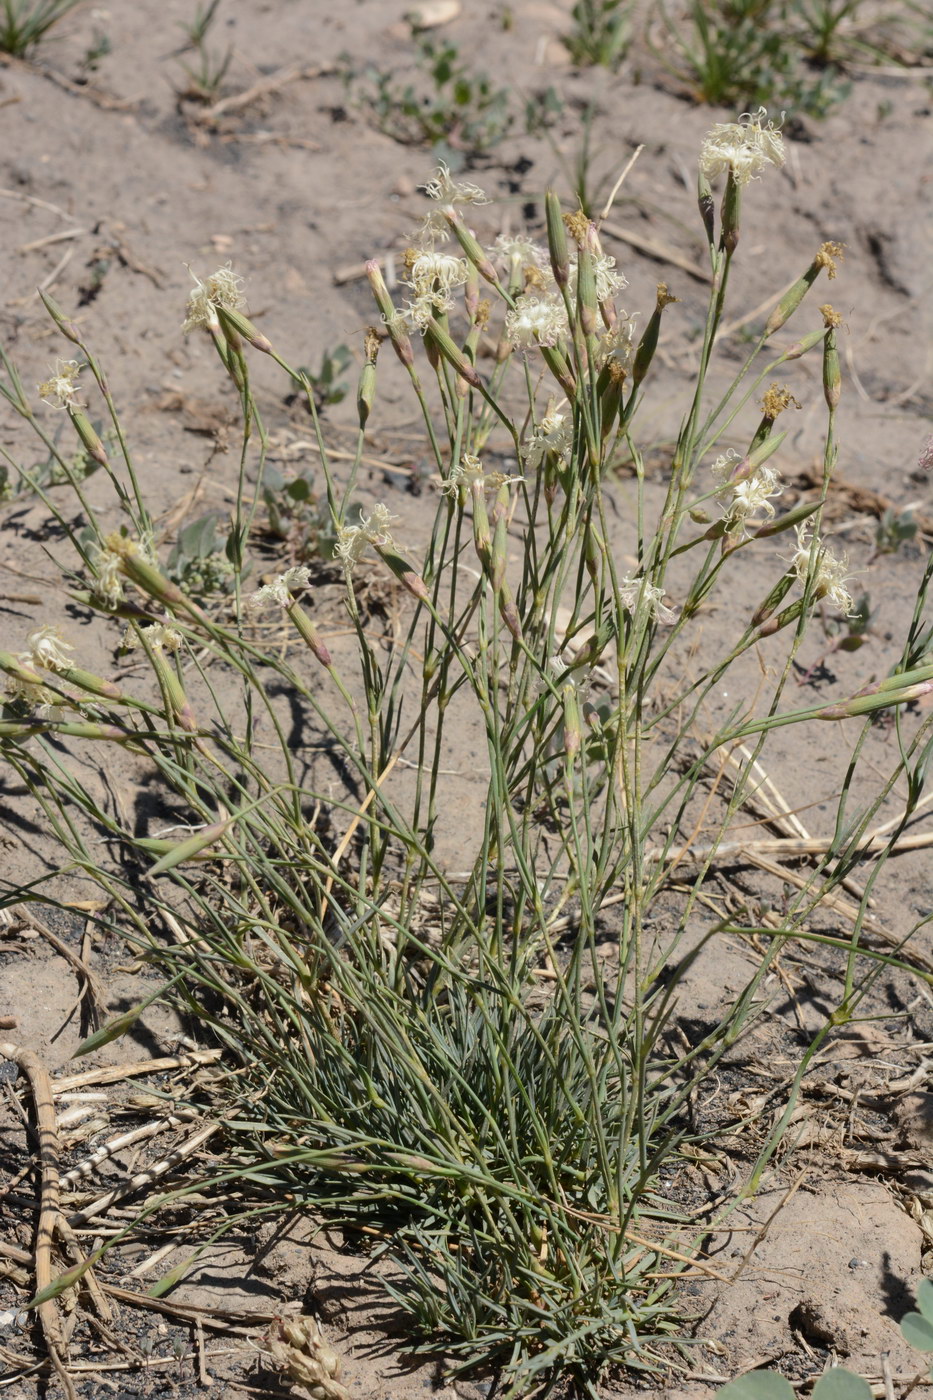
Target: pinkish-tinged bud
<point>309,634</point>
<point>234,323</point>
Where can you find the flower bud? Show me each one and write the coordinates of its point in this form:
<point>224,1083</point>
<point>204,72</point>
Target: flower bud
<point>805,343</point>
<point>404,572</point>
<point>234,323</point>
<point>649,341</point>
<point>706,206</point>
<point>309,634</point>
<point>366,389</point>
<point>832,373</point>
<point>68,329</point>
<point>91,442</point>
<point>587,305</point>
<point>401,341</point>
<point>557,239</point>
<point>573,729</point>
<point>435,335</point>
<point>730,214</point>
<point>471,245</point>
<point>482,534</point>
<point>25,729</point>
<point>148,578</point>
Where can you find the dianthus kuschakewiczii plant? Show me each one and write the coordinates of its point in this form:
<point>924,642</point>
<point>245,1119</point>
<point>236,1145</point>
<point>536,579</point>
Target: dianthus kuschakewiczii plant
<point>474,1064</point>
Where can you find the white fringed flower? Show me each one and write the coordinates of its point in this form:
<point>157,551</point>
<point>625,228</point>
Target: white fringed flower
<point>832,573</point>
<point>60,389</point>
<point>520,249</point>
<point>636,592</point>
<point>724,465</point>
<point>746,148</point>
<point>18,688</point>
<point>536,321</point>
<point>618,344</point>
<point>435,275</point>
<point>48,649</point>
<point>444,188</point>
<point>608,281</point>
<point>279,591</point>
<point>108,566</point>
<point>751,498</point>
<point>373,529</point>
<point>417,315</point>
<point>553,434</point>
<point>463,473</point>
<point>223,288</point>
<point>157,635</point>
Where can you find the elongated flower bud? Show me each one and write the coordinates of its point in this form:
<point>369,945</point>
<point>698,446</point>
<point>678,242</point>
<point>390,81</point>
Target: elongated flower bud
<point>94,685</point>
<point>500,539</point>
<point>234,323</point>
<point>437,336</point>
<point>557,239</point>
<point>649,341</point>
<point>27,729</point>
<point>309,634</point>
<point>174,691</point>
<point>885,693</point>
<point>789,521</point>
<point>775,624</point>
<point>756,457</point>
<point>706,206</point>
<point>825,258</point>
<point>92,443</point>
<point>730,214</point>
<point>482,533</point>
<point>587,304</point>
<point>773,601</point>
<point>475,252</point>
<point>401,341</point>
<point>148,578</point>
<point>403,571</point>
<point>68,328</point>
<point>805,343</point>
<point>832,373</point>
<point>573,728</point>
<point>560,370</point>
<point>366,390</point>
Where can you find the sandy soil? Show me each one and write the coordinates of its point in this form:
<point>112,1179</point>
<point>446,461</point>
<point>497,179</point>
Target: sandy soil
<point>107,189</point>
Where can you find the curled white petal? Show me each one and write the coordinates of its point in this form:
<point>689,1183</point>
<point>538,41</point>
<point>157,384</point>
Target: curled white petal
<point>745,148</point>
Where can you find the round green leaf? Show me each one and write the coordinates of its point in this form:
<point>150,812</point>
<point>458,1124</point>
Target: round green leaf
<point>839,1384</point>
<point>917,1331</point>
<point>757,1385</point>
<point>925,1298</point>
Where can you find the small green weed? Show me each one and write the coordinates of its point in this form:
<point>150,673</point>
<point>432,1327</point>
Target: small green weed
<point>99,48</point>
<point>449,104</point>
<point>296,514</point>
<point>601,34</point>
<point>198,561</point>
<point>752,52</point>
<point>24,23</point>
<point>205,78</point>
<point>328,385</point>
<point>198,28</point>
<point>894,529</point>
